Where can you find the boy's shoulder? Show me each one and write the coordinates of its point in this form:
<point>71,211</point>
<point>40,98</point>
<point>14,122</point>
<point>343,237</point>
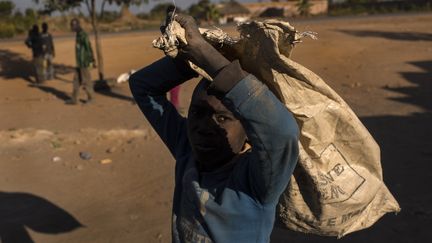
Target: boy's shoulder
<point>82,35</point>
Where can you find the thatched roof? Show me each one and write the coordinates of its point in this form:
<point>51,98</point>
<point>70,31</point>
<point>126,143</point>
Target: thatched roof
<point>232,8</point>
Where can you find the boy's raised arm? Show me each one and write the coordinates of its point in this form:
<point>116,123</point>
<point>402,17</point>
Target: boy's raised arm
<point>149,87</point>
<point>270,127</point>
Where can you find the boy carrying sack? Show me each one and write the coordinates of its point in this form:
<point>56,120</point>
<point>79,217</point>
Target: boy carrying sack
<point>236,151</point>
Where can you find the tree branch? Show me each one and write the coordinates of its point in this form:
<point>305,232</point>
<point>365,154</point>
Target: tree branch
<point>88,7</point>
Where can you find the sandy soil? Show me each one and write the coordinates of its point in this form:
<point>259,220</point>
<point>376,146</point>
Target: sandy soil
<point>382,66</point>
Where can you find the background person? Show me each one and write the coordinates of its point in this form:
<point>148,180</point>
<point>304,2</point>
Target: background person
<point>34,42</point>
<point>49,52</point>
<point>84,61</point>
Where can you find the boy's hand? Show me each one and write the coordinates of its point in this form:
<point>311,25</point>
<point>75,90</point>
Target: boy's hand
<point>198,50</point>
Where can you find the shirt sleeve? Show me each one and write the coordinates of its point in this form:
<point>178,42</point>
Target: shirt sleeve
<point>271,129</point>
<point>28,42</point>
<point>88,49</point>
<point>149,87</point>
<point>52,45</point>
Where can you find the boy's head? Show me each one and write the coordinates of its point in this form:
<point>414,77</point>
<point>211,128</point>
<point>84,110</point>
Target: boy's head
<point>215,134</point>
<point>75,25</point>
<point>44,27</point>
<point>35,29</point>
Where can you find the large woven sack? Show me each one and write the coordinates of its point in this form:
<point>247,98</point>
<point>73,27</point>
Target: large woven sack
<point>337,186</point>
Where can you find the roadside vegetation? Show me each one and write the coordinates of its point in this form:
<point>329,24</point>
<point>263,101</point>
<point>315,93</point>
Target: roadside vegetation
<point>14,22</point>
<point>368,7</point>
<point>57,13</point>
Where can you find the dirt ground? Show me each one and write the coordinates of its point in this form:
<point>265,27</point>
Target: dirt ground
<point>382,66</point>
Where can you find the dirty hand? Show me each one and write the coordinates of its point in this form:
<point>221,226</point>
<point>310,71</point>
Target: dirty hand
<point>198,50</point>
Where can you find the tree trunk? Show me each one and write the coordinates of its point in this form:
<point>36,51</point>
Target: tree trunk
<point>125,12</point>
<point>95,26</point>
<point>126,15</point>
<point>102,9</point>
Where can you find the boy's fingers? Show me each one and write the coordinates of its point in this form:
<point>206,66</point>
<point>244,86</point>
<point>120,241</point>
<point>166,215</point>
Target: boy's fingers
<point>184,20</point>
<point>170,15</point>
<point>180,18</point>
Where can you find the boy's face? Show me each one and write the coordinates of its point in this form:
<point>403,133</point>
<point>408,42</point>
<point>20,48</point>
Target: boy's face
<point>74,25</point>
<point>215,134</point>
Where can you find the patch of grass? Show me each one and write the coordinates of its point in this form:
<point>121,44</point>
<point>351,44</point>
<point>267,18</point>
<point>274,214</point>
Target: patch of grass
<point>7,30</point>
<point>56,144</point>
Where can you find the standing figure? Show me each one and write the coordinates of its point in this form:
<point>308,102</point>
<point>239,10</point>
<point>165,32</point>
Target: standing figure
<point>49,53</point>
<point>84,61</point>
<point>34,41</point>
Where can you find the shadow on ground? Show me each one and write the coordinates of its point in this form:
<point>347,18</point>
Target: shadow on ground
<point>14,65</point>
<point>421,93</point>
<point>57,93</point>
<point>402,36</point>
<point>113,92</point>
<point>406,153</point>
<point>19,211</point>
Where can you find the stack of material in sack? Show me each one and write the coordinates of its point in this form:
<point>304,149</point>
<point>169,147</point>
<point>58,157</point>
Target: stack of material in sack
<point>337,186</point>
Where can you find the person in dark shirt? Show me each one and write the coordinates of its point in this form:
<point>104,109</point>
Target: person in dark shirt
<point>48,52</point>
<point>235,152</point>
<point>34,41</point>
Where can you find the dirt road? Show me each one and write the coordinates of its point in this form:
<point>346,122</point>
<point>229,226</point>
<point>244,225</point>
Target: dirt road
<point>382,66</point>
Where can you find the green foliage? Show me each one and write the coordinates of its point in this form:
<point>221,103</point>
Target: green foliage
<point>143,16</point>
<point>18,14</point>
<point>357,1</point>
<point>7,30</point>
<point>51,6</point>
<point>303,7</point>
<point>22,23</point>
<point>204,10</point>
<point>16,23</point>
<point>158,12</point>
<point>109,16</point>
<point>56,144</point>
<point>31,14</point>
<point>6,8</point>
<point>354,7</point>
<point>128,2</point>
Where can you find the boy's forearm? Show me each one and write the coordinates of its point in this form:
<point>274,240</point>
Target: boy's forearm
<point>266,120</point>
<point>226,79</point>
<point>149,86</point>
<point>159,77</point>
<point>270,127</point>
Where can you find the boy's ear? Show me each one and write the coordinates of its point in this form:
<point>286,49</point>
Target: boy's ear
<point>246,147</point>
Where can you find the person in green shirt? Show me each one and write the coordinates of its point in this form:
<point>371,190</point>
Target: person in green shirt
<point>84,61</point>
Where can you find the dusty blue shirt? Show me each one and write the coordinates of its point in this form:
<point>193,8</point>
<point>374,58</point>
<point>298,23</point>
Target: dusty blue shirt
<point>235,203</point>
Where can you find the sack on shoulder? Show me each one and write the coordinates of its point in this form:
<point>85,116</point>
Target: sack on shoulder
<point>337,186</point>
